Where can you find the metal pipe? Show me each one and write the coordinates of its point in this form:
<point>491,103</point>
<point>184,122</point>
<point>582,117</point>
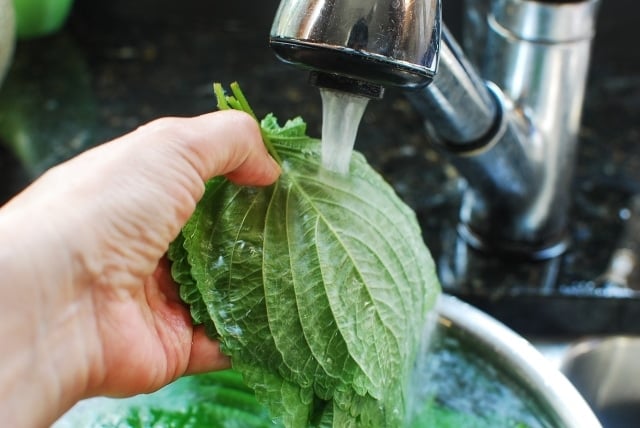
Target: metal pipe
<point>458,108</point>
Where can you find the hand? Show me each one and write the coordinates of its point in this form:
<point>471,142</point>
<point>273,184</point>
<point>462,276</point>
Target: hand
<point>87,304</point>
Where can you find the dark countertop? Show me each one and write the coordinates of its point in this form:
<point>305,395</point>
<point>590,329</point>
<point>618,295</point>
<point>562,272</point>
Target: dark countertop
<point>117,65</point>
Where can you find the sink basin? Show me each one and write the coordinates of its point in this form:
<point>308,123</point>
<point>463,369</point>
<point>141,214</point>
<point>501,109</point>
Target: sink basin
<point>478,373</point>
<point>605,370</point>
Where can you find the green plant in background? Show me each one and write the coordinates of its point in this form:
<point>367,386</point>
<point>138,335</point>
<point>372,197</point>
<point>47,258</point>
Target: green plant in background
<point>318,286</point>
<point>36,18</point>
<point>7,36</point>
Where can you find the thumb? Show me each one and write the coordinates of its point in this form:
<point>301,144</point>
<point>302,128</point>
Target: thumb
<point>221,143</point>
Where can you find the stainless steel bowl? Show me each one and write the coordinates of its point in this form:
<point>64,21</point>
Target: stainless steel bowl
<point>478,372</point>
<point>520,360</point>
<point>605,370</point>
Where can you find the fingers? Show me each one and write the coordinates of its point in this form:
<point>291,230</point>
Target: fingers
<point>221,143</point>
<point>205,354</point>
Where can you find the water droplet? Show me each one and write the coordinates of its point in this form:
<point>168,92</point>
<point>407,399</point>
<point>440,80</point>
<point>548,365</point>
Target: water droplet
<point>219,263</point>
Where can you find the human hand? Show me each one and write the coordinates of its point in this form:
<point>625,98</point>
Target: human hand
<point>90,304</point>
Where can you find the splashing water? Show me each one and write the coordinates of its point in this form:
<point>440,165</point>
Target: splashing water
<point>341,115</point>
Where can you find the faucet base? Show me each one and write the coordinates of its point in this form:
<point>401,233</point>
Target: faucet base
<point>593,287</point>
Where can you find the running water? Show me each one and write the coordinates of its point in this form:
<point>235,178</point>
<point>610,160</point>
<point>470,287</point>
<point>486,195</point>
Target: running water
<point>341,115</point>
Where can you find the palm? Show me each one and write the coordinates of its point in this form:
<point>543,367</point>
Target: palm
<point>147,336</point>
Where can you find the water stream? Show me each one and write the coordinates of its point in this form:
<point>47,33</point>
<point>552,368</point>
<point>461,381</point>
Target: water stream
<point>341,115</point>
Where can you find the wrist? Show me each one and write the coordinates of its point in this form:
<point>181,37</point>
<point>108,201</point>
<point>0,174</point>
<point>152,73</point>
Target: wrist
<point>45,347</point>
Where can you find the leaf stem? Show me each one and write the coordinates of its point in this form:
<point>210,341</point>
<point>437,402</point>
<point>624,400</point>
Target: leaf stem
<point>239,102</point>
<point>220,97</point>
<point>237,92</point>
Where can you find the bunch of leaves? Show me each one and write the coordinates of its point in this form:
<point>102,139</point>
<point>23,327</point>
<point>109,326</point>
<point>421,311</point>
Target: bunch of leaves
<point>318,286</point>
<point>216,399</point>
<point>221,399</point>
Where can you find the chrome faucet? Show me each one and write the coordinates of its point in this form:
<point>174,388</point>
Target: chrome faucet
<point>508,123</point>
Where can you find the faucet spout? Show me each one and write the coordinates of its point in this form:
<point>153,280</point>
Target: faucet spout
<point>378,42</point>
